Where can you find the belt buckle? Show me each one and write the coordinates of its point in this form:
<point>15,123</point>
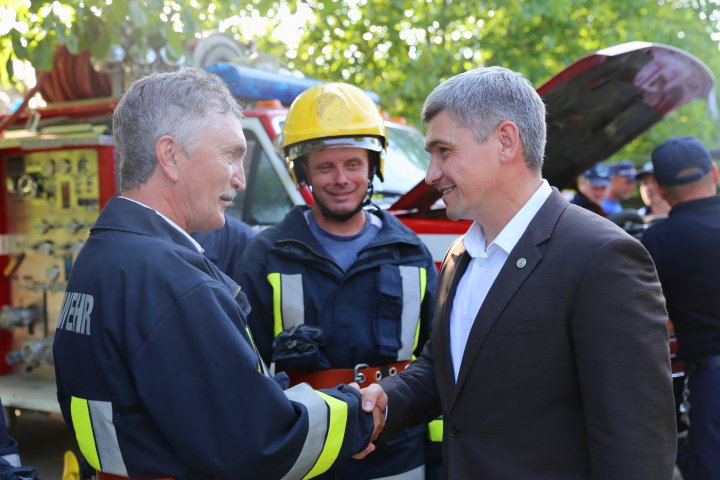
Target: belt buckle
<point>359,376</point>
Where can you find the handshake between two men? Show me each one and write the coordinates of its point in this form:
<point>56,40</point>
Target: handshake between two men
<point>374,400</point>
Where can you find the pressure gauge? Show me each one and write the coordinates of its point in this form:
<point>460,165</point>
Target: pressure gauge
<point>53,273</point>
<point>65,166</point>
<point>27,186</point>
<point>49,166</point>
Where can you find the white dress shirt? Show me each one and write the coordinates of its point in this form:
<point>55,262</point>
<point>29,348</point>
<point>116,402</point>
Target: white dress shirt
<point>484,268</point>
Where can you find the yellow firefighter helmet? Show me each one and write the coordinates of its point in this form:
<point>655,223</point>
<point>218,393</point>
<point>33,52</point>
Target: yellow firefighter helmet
<point>333,115</point>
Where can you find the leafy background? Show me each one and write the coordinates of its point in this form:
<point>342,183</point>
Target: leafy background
<point>399,48</point>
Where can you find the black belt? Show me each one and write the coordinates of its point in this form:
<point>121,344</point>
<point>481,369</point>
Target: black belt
<point>708,362</point>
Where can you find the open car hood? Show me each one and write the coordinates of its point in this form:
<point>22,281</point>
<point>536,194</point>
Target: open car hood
<point>599,104</point>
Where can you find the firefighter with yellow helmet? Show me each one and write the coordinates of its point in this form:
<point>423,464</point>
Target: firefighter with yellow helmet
<point>341,291</point>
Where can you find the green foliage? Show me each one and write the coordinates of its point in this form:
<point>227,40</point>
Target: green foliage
<point>404,48</point>
<point>142,29</point>
<point>399,48</point>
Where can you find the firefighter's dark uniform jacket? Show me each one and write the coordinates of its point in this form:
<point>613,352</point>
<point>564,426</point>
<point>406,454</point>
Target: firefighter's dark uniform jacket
<point>157,374</point>
<point>376,312</point>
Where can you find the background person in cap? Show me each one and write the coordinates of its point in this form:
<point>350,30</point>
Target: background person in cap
<point>685,249</point>
<point>656,207</point>
<point>622,185</point>
<point>592,186</point>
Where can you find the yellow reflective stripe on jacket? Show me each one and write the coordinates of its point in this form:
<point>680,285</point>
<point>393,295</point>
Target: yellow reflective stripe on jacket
<point>435,430</point>
<point>317,428</point>
<point>289,305</point>
<point>327,421</point>
<point>423,287</point>
<point>338,413</point>
<point>413,291</point>
<point>80,415</point>
<point>260,365</point>
<point>96,435</point>
<point>288,301</point>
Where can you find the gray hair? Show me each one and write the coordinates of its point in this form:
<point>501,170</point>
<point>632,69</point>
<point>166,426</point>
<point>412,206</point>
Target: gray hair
<point>483,98</point>
<point>180,104</point>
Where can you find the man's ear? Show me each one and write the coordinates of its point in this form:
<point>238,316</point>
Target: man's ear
<point>509,138</point>
<point>664,194</point>
<point>306,170</point>
<point>715,174</point>
<point>166,152</point>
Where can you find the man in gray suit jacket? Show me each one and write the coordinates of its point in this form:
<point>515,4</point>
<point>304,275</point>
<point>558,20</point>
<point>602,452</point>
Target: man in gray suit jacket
<point>549,355</point>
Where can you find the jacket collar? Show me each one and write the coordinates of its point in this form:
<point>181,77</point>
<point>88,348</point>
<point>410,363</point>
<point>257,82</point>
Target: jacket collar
<point>121,214</point>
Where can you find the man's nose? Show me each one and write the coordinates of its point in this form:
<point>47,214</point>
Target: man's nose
<point>433,173</point>
<point>341,176</point>
<point>237,181</point>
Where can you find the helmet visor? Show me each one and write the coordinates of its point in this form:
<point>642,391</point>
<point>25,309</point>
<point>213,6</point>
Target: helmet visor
<point>368,143</point>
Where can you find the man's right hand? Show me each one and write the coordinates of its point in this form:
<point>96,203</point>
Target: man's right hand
<point>374,400</point>
<point>374,396</point>
<point>374,403</point>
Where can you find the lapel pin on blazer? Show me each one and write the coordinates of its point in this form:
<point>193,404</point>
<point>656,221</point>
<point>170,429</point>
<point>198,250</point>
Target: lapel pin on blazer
<point>521,262</point>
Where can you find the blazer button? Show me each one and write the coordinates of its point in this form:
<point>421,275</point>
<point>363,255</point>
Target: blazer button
<point>455,431</point>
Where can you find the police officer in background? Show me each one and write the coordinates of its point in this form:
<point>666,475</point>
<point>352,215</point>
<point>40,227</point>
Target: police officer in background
<point>592,187</point>
<point>157,374</point>
<point>622,186</point>
<point>656,207</point>
<point>684,247</point>
<point>340,291</point>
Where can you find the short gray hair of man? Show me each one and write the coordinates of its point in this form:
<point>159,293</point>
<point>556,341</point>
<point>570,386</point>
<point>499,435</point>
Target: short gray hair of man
<point>483,98</point>
<point>183,104</point>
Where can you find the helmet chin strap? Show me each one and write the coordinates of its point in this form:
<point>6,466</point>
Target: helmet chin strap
<point>344,217</point>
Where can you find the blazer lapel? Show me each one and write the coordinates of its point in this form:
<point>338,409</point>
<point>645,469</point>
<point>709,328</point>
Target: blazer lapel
<point>453,267</point>
<point>521,262</point>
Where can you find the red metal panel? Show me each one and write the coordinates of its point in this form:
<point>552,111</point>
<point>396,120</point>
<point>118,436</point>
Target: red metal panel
<point>108,173</point>
<point>6,343</point>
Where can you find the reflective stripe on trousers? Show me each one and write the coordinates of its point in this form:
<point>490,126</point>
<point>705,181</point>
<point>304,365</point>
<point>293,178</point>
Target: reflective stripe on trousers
<point>13,459</point>
<point>414,474</point>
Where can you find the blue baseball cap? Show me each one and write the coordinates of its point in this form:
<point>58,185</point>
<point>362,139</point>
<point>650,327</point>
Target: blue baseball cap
<point>647,168</point>
<point>680,160</point>
<point>623,169</point>
<point>598,175</point>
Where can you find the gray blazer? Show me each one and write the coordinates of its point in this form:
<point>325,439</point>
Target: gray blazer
<point>566,373</point>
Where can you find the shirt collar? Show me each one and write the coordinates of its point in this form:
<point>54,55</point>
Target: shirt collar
<point>509,236</point>
<point>173,224</point>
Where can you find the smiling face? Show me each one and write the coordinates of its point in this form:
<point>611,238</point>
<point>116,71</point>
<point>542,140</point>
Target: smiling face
<point>465,171</point>
<point>339,177</point>
<point>211,173</point>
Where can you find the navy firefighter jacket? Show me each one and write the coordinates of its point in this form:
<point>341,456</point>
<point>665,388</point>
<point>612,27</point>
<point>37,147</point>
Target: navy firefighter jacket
<point>157,374</point>
<point>376,312</point>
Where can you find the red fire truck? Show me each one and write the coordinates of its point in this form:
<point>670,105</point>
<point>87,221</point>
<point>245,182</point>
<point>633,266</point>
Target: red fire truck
<point>58,170</point>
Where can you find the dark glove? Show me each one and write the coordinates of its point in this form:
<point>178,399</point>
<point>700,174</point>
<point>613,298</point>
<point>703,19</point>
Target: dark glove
<point>301,348</point>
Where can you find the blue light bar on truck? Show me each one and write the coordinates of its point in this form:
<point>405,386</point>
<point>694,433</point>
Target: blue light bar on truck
<point>254,84</point>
